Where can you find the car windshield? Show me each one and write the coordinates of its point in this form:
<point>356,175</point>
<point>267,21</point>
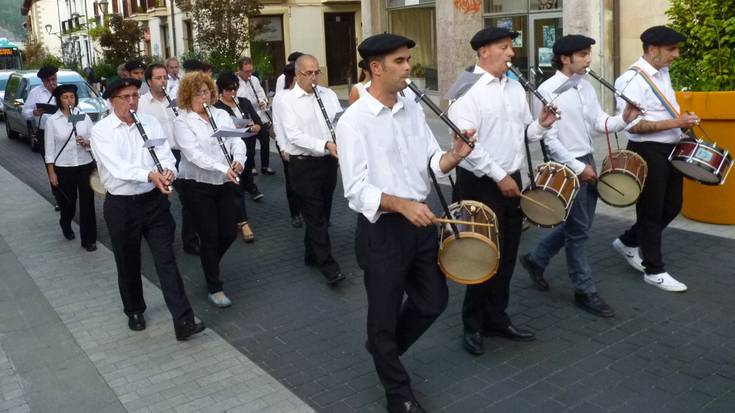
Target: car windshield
<point>83,89</point>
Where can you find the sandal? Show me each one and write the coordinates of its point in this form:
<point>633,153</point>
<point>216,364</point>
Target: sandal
<point>247,232</point>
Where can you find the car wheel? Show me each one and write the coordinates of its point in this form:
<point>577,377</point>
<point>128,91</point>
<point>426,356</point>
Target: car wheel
<point>11,134</point>
<point>35,144</point>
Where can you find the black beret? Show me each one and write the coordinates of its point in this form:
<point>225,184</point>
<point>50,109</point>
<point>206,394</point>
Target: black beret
<point>382,44</point>
<point>290,69</point>
<point>131,65</point>
<point>489,35</point>
<point>69,87</point>
<point>119,84</point>
<point>47,71</point>
<point>572,43</point>
<point>293,56</point>
<point>661,35</point>
<point>194,65</point>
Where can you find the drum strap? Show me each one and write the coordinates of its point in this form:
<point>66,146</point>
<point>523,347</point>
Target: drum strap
<point>656,91</point>
<point>442,200</point>
<point>528,158</point>
<point>73,132</point>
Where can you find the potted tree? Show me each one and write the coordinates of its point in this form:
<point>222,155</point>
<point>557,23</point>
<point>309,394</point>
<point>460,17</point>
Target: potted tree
<point>705,76</point>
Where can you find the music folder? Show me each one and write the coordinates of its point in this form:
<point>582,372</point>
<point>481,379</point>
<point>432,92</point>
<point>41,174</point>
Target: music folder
<point>48,109</point>
<point>152,143</point>
<point>241,123</point>
<point>74,119</point>
<point>229,133</point>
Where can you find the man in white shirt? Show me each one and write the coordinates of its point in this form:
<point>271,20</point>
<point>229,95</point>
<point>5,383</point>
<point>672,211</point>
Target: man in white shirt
<point>156,104</point>
<point>172,69</point>
<point>312,154</point>
<point>136,206</point>
<point>136,70</point>
<point>497,107</point>
<point>251,89</point>
<point>569,141</point>
<point>653,138</point>
<point>281,83</point>
<point>385,147</point>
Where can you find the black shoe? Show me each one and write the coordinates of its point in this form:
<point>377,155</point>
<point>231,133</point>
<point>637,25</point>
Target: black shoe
<point>57,208</point>
<point>406,407</point>
<point>512,333</point>
<point>593,304</point>
<point>267,171</point>
<point>257,196</point>
<point>192,248</point>
<point>334,278</point>
<point>535,272</point>
<point>472,342</point>
<point>296,221</point>
<point>136,322</point>
<point>90,247</point>
<point>185,330</point>
<point>69,235</point>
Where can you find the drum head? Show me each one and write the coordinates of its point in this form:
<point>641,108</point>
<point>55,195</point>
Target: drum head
<point>96,184</point>
<point>696,171</point>
<point>621,182</point>
<point>469,259</point>
<point>545,217</point>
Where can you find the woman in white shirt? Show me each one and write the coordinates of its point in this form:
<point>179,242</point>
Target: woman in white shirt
<point>362,84</point>
<point>209,178</point>
<point>69,163</point>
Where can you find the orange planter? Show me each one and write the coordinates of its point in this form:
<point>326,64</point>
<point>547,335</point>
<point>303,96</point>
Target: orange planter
<point>712,204</point>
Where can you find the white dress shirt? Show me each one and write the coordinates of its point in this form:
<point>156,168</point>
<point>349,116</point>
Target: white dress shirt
<point>635,87</point>
<point>256,98</point>
<point>202,158</point>
<point>581,116</point>
<point>58,129</point>
<point>159,109</point>
<point>305,128</point>
<point>172,86</point>
<point>123,162</point>
<point>498,110</point>
<point>277,106</point>
<point>385,150</point>
<point>38,94</point>
<point>280,83</point>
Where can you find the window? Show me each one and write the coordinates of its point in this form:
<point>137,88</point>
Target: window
<point>268,49</point>
<point>189,35</point>
<point>520,6</point>
<point>419,24</point>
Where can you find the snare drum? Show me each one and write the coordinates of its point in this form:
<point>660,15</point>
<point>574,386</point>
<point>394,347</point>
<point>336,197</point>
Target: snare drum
<point>701,161</point>
<point>556,187</point>
<point>623,174</point>
<point>95,183</point>
<point>475,256</point>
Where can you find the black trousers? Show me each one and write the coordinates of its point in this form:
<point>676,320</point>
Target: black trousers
<point>265,148</point>
<point>247,181</point>
<point>215,217</point>
<point>658,205</point>
<point>188,232</point>
<point>398,259</point>
<point>129,219</point>
<point>293,202</point>
<point>313,180</point>
<point>485,303</point>
<point>73,182</point>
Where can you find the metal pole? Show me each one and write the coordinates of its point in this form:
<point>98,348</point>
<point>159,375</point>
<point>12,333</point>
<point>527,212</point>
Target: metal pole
<point>173,29</point>
<point>61,38</point>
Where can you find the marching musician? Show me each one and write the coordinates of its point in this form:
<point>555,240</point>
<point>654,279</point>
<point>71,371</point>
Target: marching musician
<point>209,176</point>
<point>569,141</point>
<point>289,77</point>
<point>136,206</point>
<point>647,81</point>
<point>312,157</point>
<point>172,78</point>
<point>69,164</point>
<point>385,147</point>
<point>497,107</point>
<point>136,70</point>
<point>251,89</point>
<point>240,108</point>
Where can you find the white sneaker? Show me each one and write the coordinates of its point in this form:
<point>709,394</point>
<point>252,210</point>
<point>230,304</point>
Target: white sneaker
<point>219,299</point>
<point>631,254</point>
<point>665,282</point>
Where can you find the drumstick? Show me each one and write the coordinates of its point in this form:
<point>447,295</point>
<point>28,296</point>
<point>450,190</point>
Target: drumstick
<point>459,222</point>
<point>611,187</point>
<point>544,206</point>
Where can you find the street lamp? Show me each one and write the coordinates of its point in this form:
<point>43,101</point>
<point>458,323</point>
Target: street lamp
<point>103,8</point>
<point>48,28</point>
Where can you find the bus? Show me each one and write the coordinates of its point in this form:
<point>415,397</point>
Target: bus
<point>10,55</point>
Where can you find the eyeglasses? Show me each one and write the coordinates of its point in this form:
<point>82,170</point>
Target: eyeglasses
<point>204,92</point>
<point>134,96</point>
<point>310,73</point>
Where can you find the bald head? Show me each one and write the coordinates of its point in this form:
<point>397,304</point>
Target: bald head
<point>306,59</point>
<point>307,72</point>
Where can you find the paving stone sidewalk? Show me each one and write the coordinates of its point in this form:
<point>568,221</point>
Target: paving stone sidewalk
<point>85,343</point>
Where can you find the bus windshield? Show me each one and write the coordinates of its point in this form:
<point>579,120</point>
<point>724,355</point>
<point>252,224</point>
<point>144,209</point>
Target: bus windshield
<point>10,59</point>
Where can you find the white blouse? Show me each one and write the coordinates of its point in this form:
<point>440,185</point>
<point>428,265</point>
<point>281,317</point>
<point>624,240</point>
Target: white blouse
<point>58,129</point>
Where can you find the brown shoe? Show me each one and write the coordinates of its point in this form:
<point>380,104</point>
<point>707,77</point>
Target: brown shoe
<point>247,232</point>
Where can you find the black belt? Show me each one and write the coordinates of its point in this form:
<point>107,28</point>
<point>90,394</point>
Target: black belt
<point>137,197</point>
<point>307,157</point>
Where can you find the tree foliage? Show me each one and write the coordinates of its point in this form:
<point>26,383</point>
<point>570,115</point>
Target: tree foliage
<point>36,55</point>
<point>120,42</point>
<point>222,29</point>
<point>707,61</point>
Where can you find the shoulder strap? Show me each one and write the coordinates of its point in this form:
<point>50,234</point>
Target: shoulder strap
<point>656,91</point>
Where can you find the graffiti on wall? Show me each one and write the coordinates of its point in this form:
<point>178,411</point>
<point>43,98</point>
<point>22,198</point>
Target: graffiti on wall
<point>468,6</point>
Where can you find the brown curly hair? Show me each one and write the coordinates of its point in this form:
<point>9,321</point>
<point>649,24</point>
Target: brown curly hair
<point>189,87</point>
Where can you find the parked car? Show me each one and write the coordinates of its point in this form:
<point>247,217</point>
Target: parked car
<point>4,75</point>
<point>16,91</point>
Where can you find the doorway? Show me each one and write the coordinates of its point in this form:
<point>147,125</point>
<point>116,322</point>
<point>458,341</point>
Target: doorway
<point>339,31</point>
<point>545,29</point>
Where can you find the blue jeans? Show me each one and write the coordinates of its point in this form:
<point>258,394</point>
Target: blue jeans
<point>573,234</point>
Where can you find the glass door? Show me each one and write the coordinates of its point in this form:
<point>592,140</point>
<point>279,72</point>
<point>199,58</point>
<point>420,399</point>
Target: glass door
<point>545,29</point>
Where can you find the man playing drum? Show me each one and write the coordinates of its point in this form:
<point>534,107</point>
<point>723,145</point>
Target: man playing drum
<point>497,107</point>
<point>385,146</point>
<point>647,82</point>
<point>569,141</point>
